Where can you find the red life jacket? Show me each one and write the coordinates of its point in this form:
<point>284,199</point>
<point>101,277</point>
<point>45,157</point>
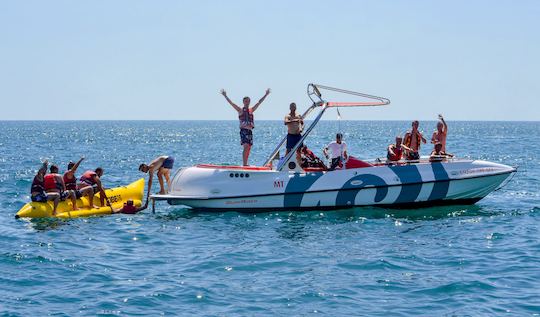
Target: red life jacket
<point>246,118</point>
<point>88,178</point>
<point>398,153</point>
<point>50,182</point>
<point>71,184</point>
<point>129,209</point>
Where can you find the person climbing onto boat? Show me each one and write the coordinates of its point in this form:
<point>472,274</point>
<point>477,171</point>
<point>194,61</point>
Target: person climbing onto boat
<point>294,123</point>
<point>70,180</point>
<point>163,166</point>
<point>338,155</point>
<point>90,183</point>
<point>412,140</point>
<point>130,209</point>
<point>37,191</point>
<point>439,136</point>
<point>53,183</point>
<point>247,123</point>
<point>438,154</point>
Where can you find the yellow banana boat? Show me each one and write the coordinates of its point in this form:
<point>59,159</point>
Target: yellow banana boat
<point>118,196</point>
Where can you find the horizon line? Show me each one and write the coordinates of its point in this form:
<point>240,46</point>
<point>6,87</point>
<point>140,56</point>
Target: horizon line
<point>235,120</point>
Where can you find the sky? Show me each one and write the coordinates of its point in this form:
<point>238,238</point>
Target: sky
<point>156,60</point>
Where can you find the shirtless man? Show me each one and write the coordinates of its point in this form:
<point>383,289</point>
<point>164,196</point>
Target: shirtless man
<point>412,140</point>
<point>54,184</point>
<point>37,191</point>
<point>247,123</point>
<point>294,123</point>
<point>163,166</point>
<point>439,136</point>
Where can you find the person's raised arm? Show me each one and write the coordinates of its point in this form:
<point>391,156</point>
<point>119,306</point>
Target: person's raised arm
<point>224,93</point>
<point>74,168</point>
<point>261,100</point>
<point>43,168</point>
<point>445,126</point>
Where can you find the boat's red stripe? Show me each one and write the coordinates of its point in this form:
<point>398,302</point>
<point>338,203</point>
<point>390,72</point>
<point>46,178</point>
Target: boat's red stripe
<point>233,167</point>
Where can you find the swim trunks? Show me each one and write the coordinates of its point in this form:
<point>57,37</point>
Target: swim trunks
<point>292,139</point>
<point>39,198</point>
<point>246,137</point>
<point>168,163</point>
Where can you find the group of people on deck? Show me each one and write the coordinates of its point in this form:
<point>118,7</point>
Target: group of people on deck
<point>55,187</point>
<point>409,147</point>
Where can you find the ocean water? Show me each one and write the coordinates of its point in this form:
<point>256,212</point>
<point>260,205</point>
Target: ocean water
<point>478,260</point>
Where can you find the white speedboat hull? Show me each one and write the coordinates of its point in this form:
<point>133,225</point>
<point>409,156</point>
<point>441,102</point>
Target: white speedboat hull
<point>253,189</point>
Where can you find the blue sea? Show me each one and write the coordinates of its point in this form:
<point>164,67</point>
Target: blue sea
<point>476,260</point>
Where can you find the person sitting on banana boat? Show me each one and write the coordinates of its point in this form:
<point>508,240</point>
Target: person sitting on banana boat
<point>70,180</point>
<point>90,183</point>
<point>37,190</point>
<point>163,166</point>
<point>53,183</point>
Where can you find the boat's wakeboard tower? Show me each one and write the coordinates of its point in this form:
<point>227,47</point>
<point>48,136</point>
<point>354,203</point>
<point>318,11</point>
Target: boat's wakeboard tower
<point>288,163</point>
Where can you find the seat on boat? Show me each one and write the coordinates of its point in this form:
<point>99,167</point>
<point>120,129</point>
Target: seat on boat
<point>353,162</point>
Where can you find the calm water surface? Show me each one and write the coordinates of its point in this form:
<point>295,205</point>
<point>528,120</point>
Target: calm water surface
<point>480,260</point>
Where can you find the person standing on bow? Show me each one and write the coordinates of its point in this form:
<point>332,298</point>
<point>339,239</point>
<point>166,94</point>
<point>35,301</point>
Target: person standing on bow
<point>295,124</point>
<point>412,141</point>
<point>439,136</point>
<point>247,123</point>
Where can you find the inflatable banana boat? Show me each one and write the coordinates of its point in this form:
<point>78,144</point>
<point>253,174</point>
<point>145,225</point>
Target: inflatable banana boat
<point>118,196</point>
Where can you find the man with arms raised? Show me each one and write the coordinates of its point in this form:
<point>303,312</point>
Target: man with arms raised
<point>412,141</point>
<point>247,123</point>
<point>163,166</point>
<point>54,184</point>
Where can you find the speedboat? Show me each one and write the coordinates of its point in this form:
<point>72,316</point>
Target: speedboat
<point>288,186</point>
